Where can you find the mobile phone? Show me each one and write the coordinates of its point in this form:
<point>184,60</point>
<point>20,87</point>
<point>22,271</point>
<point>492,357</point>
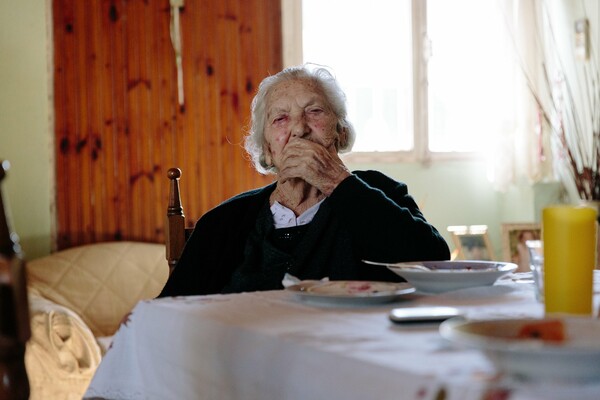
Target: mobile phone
<point>423,314</point>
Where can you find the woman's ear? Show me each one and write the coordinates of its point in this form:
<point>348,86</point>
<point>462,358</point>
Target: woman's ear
<point>342,137</point>
<point>267,155</point>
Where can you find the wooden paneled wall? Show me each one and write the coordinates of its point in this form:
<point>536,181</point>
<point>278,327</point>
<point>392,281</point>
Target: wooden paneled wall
<point>118,124</point>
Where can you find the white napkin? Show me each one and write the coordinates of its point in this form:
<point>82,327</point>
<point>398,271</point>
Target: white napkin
<point>290,280</point>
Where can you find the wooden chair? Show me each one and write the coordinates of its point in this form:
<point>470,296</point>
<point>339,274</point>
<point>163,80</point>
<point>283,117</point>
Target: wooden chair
<point>15,327</point>
<point>176,231</point>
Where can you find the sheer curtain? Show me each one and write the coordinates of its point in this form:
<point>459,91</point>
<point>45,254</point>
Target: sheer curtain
<point>557,124</point>
<point>521,150</point>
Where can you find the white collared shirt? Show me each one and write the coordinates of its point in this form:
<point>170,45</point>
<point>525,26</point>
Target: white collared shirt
<point>285,218</point>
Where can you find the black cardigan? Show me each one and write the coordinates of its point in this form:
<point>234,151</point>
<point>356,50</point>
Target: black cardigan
<point>368,216</point>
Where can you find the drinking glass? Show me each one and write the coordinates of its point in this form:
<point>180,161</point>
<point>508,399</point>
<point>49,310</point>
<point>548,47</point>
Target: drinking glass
<point>536,264</point>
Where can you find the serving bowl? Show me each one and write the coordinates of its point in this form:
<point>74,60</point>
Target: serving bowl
<point>549,349</point>
<point>443,276</point>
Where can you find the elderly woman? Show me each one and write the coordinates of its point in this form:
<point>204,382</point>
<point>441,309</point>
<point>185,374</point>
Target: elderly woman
<point>318,219</point>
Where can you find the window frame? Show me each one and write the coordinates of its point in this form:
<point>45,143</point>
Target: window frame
<point>292,55</point>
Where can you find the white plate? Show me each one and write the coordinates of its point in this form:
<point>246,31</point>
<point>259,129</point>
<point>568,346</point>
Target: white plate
<point>452,275</point>
<point>574,359</point>
<point>350,292</point>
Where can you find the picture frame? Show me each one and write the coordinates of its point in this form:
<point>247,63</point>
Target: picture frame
<point>471,242</point>
<point>514,236</point>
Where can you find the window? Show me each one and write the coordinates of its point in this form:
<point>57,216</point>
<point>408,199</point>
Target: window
<point>422,78</point>
<point>368,46</point>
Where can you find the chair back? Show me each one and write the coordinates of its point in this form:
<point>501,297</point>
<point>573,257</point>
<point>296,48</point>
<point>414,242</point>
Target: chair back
<point>176,231</point>
<point>15,327</point>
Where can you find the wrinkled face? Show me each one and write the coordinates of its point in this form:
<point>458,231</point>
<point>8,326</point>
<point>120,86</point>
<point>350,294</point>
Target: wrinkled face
<point>298,109</point>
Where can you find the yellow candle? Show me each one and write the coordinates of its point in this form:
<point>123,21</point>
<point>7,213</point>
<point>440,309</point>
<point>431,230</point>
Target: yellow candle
<point>569,235</point>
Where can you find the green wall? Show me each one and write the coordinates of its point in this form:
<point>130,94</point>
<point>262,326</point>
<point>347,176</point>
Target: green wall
<point>25,126</point>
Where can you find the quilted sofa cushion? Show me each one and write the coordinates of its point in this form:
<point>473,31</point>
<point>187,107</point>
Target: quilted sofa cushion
<point>100,282</point>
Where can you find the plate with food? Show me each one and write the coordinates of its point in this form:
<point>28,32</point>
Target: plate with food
<point>349,291</point>
<point>554,349</point>
<point>443,276</point>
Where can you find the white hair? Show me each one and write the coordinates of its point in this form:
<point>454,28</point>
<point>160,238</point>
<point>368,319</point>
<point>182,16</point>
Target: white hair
<point>334,95</point>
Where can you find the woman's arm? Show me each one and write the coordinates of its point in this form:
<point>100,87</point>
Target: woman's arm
<point>384,220</point>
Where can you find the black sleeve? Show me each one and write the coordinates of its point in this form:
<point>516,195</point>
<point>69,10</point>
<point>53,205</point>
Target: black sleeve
<point>197,271</point>
<point>215,247</point>
<point>384,221</point>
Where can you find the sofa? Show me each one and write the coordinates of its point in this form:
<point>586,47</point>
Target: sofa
<point>78,298</point>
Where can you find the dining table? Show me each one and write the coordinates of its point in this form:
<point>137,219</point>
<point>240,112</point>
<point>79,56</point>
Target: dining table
<point>281,344</point>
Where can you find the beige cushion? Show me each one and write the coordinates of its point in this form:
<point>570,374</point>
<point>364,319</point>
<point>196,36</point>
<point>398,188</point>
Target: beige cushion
<point>100,282</point>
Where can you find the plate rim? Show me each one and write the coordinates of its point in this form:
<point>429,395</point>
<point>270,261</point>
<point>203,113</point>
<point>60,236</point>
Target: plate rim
<point>401,289</point>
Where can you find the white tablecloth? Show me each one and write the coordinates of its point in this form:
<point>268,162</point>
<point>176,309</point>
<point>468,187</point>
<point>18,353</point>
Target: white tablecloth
<point>271,345</point>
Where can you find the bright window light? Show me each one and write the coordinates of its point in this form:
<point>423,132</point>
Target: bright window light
<point>369,46</point>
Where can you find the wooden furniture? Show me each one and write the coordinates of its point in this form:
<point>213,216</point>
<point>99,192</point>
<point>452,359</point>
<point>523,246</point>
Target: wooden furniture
<point>14,308</point>
<point>176,232</point>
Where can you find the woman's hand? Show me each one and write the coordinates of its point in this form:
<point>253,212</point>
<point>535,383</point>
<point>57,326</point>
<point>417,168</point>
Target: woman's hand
<point>314,163</point>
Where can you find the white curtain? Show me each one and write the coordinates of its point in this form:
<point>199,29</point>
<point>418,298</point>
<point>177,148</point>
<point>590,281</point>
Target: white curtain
<point>558,106</point>
<point>522,149</point>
